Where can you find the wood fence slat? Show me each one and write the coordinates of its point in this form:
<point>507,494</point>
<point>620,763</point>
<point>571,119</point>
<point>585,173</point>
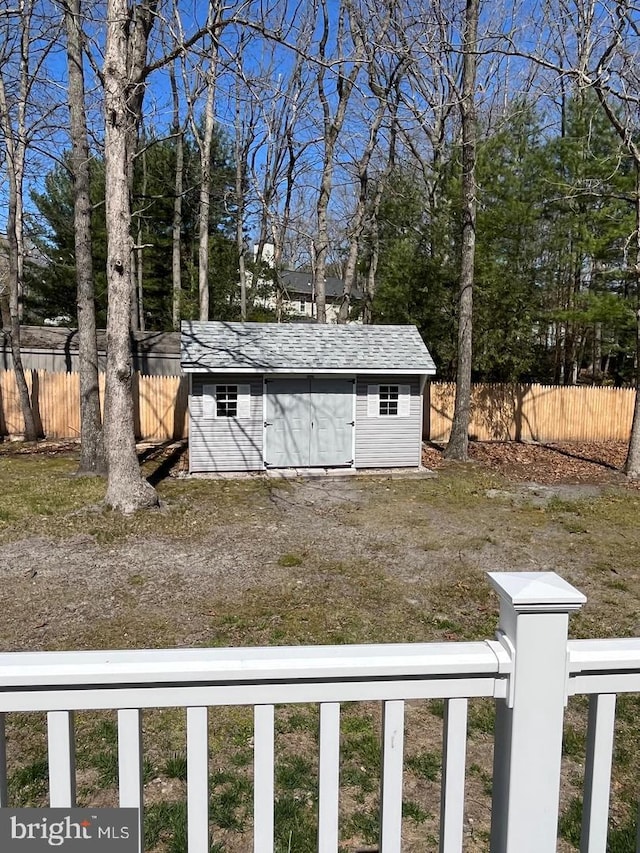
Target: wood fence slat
<point>534,413</point>
<point>499,412</point>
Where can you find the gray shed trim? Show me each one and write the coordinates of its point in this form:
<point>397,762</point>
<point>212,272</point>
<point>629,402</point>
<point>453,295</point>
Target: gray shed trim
<point>225,444</point>
<point>270,348</point>
<point>388,442</point>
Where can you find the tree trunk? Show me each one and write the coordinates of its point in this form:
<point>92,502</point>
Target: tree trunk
<point>30,430</point>
<point>176,229</point>
<point>241,170</point>
<point>332,125</point>
<point>632,463</point>
<point>350,270</point>
<point>370,284</point>
<point>15,141</point>
<point>92,459</point>
<point>139,22</point>
<point>321,243</point>
<point>126,489</point>
<point>597,353</point>
<point>139,271</point>
<point>358,218</point>
<point>14,164</point>
<point>457,447</point>
<point>205,198</point>
<point>374,228</point>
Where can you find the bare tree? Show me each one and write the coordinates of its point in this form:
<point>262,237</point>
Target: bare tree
<point>204,139</point>
<point>347,69</point>
<point>457,447</point>
<point>276,175</point>
<point>245,117</point>
<point>176,227</point>
<point>16,102</point>
<point>92,459</point>
<point>384,68</point>
<point>127,490</point>
<point>372,224</point>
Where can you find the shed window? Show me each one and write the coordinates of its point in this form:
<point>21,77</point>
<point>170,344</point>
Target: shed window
<point>384,401</point>
<point>226,401</point>
<point>389,395</point>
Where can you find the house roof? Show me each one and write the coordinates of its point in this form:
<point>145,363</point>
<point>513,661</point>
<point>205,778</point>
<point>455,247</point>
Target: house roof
<point>302,348</point>
<point>301,283</point>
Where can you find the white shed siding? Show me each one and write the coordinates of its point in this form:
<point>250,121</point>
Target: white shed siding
<point>225,444</point>
<point>388,441</point>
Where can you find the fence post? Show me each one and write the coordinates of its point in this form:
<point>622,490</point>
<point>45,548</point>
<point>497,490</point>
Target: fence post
<point>534,617</point>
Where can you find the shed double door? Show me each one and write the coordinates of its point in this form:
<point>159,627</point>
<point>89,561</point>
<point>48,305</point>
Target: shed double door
<point>309,422</point>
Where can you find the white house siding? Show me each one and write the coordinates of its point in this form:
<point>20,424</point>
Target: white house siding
<point>388,441</point>
<point>225,444</point>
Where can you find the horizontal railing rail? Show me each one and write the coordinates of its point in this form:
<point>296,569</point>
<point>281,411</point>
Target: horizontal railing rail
<point>45,681</point>
<point>604,666</point>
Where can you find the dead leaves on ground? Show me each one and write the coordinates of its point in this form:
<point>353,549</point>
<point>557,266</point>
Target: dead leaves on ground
<point>569,462</point>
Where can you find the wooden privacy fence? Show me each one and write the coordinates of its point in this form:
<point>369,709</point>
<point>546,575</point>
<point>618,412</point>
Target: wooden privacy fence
<point>160,404</point>
<point>499,412</point>
<point>533,412</point>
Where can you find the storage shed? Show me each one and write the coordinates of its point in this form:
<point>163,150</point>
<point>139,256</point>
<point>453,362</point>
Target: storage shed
<point>300,395</point>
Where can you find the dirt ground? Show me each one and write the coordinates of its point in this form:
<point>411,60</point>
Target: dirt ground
<point>317,560</point>
<point>63,591</point>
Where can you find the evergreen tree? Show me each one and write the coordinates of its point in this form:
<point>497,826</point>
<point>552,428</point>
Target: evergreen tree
<point>554,213</point>
<point>586,220</point>
<point>416,272</point>
<point>52,287</point>
<point>508,302</point>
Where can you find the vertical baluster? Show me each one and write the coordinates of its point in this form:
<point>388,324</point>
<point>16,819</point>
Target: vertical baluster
<point>62,764</point>
<point>4,797</point>
<point>597,773</point>
<point>130,762</point>
<point>391,788</point>
<point>454,750</point>
<point>263,796</point>
<point>197,780</point>
<point>329,777</point>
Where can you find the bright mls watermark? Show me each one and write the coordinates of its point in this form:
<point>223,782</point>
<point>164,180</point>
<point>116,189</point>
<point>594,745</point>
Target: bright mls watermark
<point>69,830</point>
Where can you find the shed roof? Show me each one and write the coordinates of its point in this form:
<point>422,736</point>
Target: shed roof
<point>302,348</point>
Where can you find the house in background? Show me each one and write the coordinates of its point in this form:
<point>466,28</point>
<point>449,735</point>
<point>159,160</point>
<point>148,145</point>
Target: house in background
<point>303,395</point>
<point>300,297</point>
<point>298,294</point>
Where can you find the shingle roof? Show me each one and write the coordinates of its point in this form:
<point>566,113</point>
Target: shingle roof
<point>302,348</point>
<point>296,282</point>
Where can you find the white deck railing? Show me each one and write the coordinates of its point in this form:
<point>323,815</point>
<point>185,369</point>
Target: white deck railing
<point>529,671</point>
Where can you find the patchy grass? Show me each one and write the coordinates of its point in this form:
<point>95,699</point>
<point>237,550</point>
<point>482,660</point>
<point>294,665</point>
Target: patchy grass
<point>258,562</point>
<point>41,495</point>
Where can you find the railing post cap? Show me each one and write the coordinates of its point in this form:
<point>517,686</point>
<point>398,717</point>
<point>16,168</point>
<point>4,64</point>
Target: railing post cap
<point>537,592</point>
